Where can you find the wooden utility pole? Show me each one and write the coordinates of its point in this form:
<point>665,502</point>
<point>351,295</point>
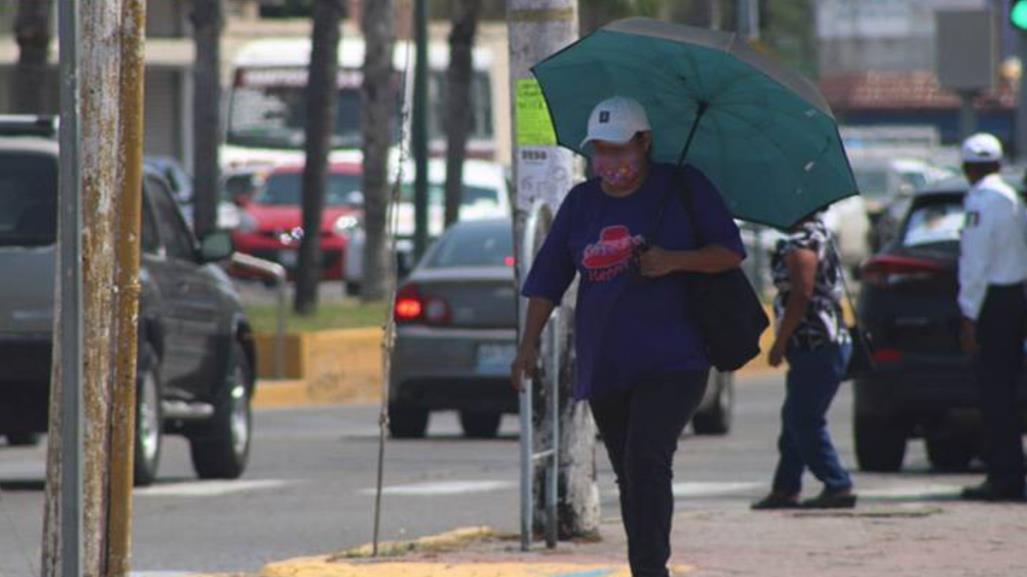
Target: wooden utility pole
<point>322,101</point>
<point>543,171</point>
<point>123,418</point>
<point>377,111</point>
<point>459,109</point>
<point>32,31</point>
<point>85,373</point>
<point>208,20</point>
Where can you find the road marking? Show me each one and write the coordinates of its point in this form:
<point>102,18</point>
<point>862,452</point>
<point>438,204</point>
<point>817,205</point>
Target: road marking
<point>707,489</point>
<point>208,488</point>
<point>435,488</point>
<point>911,491</point>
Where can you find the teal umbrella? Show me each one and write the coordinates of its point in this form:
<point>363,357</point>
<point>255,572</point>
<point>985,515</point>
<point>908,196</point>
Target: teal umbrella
<point>761,132</point>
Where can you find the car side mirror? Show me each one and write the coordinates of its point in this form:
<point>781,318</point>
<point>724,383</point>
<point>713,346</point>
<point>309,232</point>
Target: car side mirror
<point>216,246</point>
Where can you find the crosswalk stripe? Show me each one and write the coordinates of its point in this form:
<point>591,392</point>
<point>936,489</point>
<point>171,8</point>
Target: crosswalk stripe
<point>442,488</point>
<point>208,488</point>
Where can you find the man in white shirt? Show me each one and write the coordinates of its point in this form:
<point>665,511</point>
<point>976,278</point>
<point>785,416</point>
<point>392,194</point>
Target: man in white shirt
<point>992,271</point>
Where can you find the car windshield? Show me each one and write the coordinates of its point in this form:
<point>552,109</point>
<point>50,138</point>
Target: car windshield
<point>285,189</point>
<point>28,199</point>
<point>933,223</point>
<point>474,246</point>
<point>872,183</point>
<point>472,195</point>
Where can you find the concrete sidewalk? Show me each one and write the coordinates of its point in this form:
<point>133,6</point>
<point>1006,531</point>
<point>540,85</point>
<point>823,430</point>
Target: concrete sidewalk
<point>939,538</point>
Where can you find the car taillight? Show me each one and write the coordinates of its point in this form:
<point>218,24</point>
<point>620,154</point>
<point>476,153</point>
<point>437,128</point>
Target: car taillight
<point>891,270</point>
<point>412,307</point>
<point>887,356</point>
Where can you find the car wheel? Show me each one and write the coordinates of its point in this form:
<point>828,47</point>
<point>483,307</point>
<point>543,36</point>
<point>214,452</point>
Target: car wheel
<point>407,422</point>
<point>950,452</point>
<point>480,424</point>
<point>352,289</point>
<point>221,450</point>
<point>717,420</point>
<point>149,423</point>
<point>880,444</point>
<point>23,439</point>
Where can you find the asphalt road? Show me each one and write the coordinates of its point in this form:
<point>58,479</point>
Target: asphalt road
<point>308,489</point>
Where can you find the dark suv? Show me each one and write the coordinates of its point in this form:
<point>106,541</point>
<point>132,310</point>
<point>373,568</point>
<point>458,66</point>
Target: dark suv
<point>922,384</point>
<point>196,356</point>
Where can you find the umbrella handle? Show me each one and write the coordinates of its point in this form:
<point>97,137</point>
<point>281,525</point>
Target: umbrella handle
<point>703,105</point>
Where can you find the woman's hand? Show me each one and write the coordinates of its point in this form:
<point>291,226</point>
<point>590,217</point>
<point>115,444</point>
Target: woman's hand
<point>656,261</point>
<point>524,365</point>
<point>777,354</point>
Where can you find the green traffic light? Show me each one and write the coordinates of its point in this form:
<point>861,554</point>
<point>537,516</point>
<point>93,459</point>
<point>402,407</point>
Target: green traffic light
<point>1018,14</point>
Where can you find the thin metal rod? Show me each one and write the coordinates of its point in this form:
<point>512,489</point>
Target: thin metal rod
<point>552,470</point>
<point>527,465</point>
<point>703,106</point>
<point>69,330</point>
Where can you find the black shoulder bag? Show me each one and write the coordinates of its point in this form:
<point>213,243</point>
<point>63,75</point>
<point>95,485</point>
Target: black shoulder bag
<point>724,305</point>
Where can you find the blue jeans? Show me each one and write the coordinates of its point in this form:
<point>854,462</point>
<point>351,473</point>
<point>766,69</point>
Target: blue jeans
<point>813,379</point>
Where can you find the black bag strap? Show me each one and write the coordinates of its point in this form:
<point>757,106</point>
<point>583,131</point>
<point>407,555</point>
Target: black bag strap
<point>678,183</point>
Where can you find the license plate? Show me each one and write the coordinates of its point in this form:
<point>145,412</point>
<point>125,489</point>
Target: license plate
<point>288,258</point>
<point>496,357</point>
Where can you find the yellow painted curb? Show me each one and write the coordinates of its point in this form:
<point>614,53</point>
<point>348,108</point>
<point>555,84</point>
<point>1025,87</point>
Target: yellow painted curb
<point>447,541</point>
<point>321,567</point>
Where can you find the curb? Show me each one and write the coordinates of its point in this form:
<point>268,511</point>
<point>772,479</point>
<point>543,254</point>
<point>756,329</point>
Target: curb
<point>358,563</point>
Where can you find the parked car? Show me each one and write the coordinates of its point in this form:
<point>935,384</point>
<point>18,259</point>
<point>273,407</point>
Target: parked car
<point>485,196</point>
<point>183,190</point>
<point>196,356</point>
<point>922,384</point>
<point>271,225</point>
<point>457,335</point>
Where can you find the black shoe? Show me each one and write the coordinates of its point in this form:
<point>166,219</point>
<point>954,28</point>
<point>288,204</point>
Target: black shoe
<point>990,493</point>
<point>831,500</point>
<point>775,501</point>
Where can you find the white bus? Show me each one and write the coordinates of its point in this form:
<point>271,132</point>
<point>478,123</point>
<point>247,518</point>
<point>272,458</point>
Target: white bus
<point>267,101</point>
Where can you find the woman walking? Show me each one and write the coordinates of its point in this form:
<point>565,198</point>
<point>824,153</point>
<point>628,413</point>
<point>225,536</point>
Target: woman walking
<point>812,337</point>
<point>641,363</point>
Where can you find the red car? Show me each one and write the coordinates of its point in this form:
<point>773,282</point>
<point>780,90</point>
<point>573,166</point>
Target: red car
<point>271,225</point>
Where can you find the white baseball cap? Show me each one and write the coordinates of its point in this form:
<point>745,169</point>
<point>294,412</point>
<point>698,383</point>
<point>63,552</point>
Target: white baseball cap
<point>981,148</point>
<point>616,120</point>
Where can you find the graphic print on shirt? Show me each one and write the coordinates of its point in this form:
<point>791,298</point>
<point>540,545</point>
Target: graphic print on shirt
<point>612,254</point>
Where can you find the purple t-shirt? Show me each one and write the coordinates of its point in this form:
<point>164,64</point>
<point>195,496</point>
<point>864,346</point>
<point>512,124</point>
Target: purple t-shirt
<point>627,326</point>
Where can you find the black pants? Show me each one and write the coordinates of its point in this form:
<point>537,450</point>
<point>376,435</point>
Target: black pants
<point>1000,333</point>
<point>640,428</point>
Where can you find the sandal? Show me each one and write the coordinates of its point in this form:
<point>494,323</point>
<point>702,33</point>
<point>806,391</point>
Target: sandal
<point>831,500</point>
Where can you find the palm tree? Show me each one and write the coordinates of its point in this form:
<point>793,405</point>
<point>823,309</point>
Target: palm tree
<point>32,32</point>
<point>207,17</point>
<point>465,16</point>
<point>377,121</point>
<point>322,101</point>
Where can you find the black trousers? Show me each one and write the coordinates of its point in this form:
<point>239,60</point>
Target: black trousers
<point>640,428</point>
<point>1001,328</point>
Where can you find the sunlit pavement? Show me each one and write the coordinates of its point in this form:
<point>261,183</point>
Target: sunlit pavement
<point>308,491</point>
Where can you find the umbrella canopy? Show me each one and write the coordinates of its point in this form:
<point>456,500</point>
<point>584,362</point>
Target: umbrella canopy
<point>761,132</point>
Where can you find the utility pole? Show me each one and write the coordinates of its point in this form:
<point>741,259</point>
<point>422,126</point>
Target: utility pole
<point>121,457</point>
<point>544,172</point>
<point>419,129</point>
<point>748,14</point>
<point>78,478</point>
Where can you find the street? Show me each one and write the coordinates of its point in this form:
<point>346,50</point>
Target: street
<point>308,489</point>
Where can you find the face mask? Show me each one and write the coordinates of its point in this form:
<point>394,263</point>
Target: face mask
<point>617,170</point>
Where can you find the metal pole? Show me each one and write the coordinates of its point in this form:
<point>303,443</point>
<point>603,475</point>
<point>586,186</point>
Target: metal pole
<point>420,129</point>
<point>967,115</point>
<point>1021,109</point>
<point>553,396</point>
<point>527,466</point>
<point>749,19</point>
<point>69,330</point>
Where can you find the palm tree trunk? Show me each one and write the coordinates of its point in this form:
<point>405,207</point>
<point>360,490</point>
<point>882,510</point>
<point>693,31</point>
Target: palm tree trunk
<point>377,119</point>
<point>208,20</point>
<point>29,87</point>
<point>322,101</point>
<point>458,100</point>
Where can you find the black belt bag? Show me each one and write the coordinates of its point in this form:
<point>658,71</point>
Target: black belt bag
<point>724,305</point>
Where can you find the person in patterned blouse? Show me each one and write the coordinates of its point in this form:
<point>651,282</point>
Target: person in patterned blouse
<point>813,339</point>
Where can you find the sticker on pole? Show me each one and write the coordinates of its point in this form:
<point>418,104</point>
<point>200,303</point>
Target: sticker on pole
<point>534,126</point>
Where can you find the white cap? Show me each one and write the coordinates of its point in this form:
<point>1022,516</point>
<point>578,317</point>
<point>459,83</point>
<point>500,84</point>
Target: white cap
<point>981,148</point>
<point>616,120</point>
